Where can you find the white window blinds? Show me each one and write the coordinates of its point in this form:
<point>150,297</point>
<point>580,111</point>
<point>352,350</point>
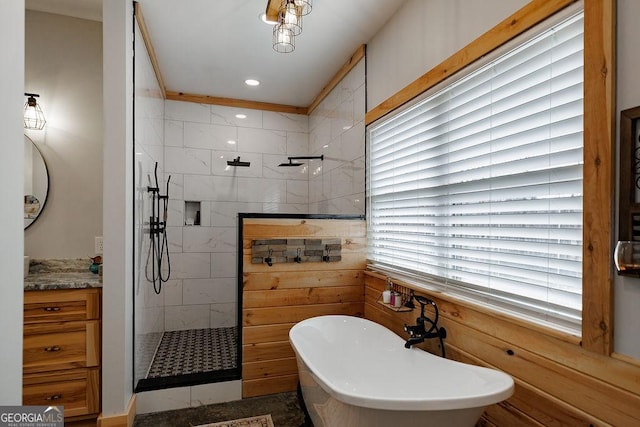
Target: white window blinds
<point>478,186</point>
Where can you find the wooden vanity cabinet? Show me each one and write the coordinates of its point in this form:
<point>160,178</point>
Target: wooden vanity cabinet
<point>61,350</point>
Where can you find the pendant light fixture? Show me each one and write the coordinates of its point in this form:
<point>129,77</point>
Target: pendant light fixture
<point>284,41</point>
<point>304,6</point>
<point>291,17</point>
<point>33,115</point>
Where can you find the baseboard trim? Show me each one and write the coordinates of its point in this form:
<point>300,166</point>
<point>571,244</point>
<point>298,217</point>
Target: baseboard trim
<point>121,420</point>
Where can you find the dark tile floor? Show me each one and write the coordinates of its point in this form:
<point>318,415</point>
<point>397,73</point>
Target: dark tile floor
<point>284,408</point>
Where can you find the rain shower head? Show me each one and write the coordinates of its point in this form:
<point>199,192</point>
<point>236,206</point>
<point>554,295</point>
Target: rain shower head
<point>237,162</point>
<point>292,163</point>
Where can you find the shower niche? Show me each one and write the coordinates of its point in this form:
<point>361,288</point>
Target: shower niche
<point>191,213</point>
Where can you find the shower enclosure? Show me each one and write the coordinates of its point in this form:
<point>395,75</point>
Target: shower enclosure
<point>267,162</point>
<point>179,340</point>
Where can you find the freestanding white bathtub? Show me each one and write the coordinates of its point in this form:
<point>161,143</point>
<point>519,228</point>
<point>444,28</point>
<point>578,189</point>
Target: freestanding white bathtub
<point>355,372</point>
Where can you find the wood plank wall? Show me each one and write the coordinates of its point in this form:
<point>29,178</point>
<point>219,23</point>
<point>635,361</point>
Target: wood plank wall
<point>275,298</point>
<point>558,383</point>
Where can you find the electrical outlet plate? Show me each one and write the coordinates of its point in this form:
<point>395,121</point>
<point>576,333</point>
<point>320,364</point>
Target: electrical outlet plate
<point>98,245</point>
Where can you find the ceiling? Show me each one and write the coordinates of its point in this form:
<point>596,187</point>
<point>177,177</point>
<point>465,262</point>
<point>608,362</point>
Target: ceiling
<point>209,47</point>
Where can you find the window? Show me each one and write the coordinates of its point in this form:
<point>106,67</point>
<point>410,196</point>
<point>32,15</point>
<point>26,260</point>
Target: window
<point>477,186</point>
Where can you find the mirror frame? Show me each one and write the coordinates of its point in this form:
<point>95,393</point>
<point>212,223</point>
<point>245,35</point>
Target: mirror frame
<point>43,203</point>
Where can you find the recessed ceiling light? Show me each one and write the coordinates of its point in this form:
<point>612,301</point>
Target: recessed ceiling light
<point>241,116</point>
<point>251,82</point>
<point>231,141</point>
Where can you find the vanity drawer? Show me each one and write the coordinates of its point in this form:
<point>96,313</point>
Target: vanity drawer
<point>65,345</point>
<point>77,390</point>
<point>61,305</point>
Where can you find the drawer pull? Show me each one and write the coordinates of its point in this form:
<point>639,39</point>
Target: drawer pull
<point>54,397</point>
<point>52,309</point>
<point>52,348</point>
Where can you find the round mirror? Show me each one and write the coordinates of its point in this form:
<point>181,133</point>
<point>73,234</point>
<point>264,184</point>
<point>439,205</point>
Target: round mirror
<point>36,182</point>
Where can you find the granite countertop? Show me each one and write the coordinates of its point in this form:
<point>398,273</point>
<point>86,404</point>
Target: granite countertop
<point>45,274</point>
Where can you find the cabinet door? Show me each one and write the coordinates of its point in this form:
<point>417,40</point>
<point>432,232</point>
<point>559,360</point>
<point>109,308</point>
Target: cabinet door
<point>67,345</point>
<point>61,305</point>
<point>77,390</point>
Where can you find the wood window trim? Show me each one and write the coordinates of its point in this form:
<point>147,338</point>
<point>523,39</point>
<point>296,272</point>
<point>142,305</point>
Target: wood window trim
<point>598,176</point>
<point>599,147</point>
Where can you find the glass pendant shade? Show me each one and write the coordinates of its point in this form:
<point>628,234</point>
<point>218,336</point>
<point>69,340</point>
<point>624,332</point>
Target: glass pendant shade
<point>283,39</point>
<point>291,17</point>
<point>33,115</point>
<point>304,6</point>
<point>290,13</point>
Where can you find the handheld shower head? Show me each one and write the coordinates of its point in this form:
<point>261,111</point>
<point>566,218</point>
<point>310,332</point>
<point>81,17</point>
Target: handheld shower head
<point>237,162</point>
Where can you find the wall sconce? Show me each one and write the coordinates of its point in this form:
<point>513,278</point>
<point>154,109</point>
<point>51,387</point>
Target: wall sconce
<point>33,115</point>
<point>627,257</point>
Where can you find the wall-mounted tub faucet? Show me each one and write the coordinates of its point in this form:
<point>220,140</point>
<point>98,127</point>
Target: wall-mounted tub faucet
<point>419,332</point>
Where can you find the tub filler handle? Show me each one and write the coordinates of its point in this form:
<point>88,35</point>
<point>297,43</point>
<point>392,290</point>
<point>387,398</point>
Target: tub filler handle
<point>419,332</point>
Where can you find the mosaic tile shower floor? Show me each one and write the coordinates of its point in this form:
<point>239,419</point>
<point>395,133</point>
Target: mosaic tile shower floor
<point>194,351</point>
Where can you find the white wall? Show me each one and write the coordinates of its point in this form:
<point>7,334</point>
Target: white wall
<point>336,129</point>
<point>627,289</point>
<point>63,63</point>
<point>421,35</point>
<point>117,291</point>
<point>11,208</point>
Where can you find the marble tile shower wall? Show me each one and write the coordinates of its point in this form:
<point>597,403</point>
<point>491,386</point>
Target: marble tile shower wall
<point>336,129</point>
<point>149,307</point>
<point>149,141</point>
<point>199,140</point>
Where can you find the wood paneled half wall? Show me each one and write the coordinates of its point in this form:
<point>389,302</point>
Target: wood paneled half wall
<point>558,382</point>
<point>275,297</point>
